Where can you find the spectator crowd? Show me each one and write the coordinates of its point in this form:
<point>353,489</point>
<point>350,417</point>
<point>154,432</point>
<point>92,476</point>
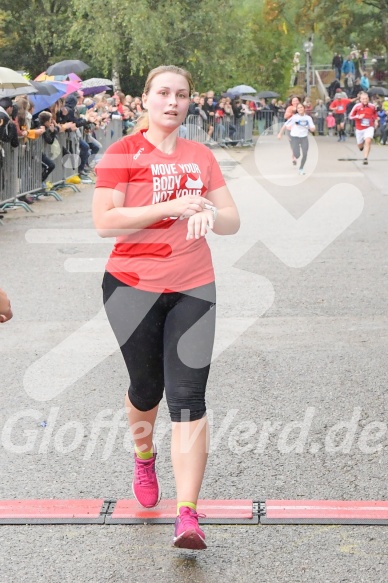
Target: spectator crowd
<point>222,118</point>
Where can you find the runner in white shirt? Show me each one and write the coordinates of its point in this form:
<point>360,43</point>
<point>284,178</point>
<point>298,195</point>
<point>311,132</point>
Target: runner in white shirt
<point>299,125</point>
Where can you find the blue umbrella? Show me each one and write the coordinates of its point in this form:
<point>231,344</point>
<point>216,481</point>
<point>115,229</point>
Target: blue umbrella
<point>42,102</point>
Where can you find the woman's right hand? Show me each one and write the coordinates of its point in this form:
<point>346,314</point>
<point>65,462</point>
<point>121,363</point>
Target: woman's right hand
<point>185,206</point>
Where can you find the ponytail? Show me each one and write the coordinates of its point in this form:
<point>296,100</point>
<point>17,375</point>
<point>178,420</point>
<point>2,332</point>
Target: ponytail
<point>142,123</point>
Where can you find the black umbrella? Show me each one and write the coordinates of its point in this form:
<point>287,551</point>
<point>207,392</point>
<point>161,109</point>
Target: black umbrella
<point>66,67</point>
<point>266,94</point>
<point>378,91</point>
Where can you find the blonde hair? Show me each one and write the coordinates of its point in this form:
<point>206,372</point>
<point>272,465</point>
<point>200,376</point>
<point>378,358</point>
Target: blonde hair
<point>143,122</point>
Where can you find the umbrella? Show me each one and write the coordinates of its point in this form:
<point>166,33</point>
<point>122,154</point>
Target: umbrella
<point>266,94</point>
<point>231,94</point>
<point>44,77</point>
<point>44,88</point>
<point>250,97</point>
<point>10,79</point>
<point>42,102</point>
<point>73,77</point>
<point>378,91</point>
<point>240,89</point>
<point>71,86</point>
<point>96,85</point>
<point>66,67</point>
<point>14,92</point>
<point>94,90</point>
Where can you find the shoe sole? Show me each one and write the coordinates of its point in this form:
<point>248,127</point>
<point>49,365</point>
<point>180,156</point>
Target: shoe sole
<point>152,505</point>
<point>190,539</point>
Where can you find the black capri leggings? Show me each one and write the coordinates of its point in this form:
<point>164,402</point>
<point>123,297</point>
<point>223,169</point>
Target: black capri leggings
<point>151,331</point>
<point>298,144</point>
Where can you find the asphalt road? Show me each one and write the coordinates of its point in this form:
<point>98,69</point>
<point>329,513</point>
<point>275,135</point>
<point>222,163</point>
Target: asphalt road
<point>297,394</point>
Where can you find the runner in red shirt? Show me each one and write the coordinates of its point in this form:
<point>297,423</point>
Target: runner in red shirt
<point>160,194</point>
<point>366,117</point>
<point>338,106</point>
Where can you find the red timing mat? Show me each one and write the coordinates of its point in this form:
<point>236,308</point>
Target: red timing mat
<point>325,512</point>
<point>216,511</point>
<point>51,511</point>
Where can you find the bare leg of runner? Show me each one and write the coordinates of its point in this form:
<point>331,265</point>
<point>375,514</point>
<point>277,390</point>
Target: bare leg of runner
<point>141,424</point>
<point>189,451</point>
<point>367,146</point>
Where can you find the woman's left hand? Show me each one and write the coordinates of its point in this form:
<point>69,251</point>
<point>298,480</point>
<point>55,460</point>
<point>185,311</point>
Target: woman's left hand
<point>198,224</point>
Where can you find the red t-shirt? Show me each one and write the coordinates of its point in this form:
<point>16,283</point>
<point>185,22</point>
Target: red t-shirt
<point>339,105</point>
<point>369,115</point>
<point>158,258</point>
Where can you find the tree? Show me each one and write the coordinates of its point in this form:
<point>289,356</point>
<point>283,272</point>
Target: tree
<point>269,47</point>
<point>348,22</point>
<point>138,35</point>
<point>33,34</point>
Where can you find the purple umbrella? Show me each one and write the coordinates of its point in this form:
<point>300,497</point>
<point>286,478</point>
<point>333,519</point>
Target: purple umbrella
<point>94,90</point>
<point>96,85</point>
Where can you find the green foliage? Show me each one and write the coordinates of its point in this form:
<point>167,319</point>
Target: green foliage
<point>33,34</point>
<point>222,44</point>
<point>143,34</point>
<point>344,23</point>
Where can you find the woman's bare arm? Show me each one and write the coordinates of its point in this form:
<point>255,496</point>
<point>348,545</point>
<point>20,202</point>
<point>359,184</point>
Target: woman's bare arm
<point>112,219</point>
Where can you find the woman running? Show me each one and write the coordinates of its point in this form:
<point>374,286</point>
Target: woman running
<point>299,126</point>
<point>160,194</point>
<point>291,110</point>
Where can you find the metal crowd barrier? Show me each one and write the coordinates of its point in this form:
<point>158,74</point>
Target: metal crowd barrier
<point>265,120</point>
<point>227,130</point>
<point>29,166</point>
<point>8,172</point>
<point>20,170</point>
<point>66,160</point>
<point>110,134</point>
<point>21,167</point>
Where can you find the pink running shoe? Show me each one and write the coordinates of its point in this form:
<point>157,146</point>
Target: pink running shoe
<point>188,535</point>
<point>145,485</point>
